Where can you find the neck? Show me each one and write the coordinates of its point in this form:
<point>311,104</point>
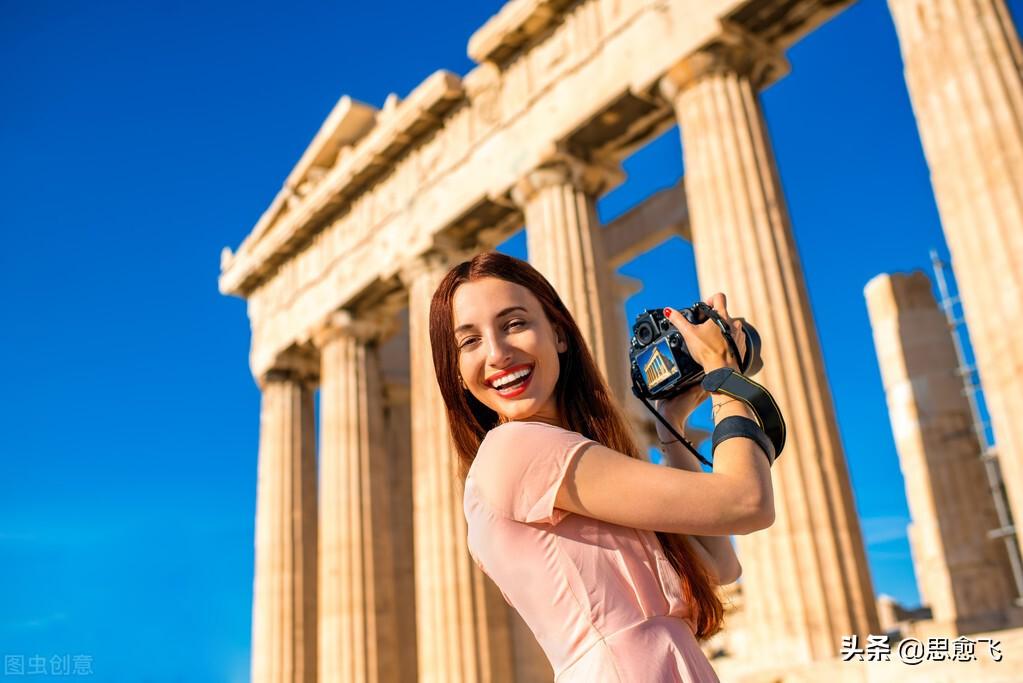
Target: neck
<point>533,418</point>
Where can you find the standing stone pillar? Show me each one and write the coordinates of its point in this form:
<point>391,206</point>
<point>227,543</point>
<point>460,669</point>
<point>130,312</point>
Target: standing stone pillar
<point>619,334</point>
<point>964,71</point>
<point>805,579</point>
<point>399,446</point>
<point>357,615</point>
<point>565,244</point>
<point>964,575</point>
<point>284,588</point>
<point>462,618</point>
<point>394,361</point>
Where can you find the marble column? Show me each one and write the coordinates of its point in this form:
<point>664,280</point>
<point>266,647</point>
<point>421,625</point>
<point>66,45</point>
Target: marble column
<point>805,579</point>
<point>565,244</point>
<point>358,624</point>
<point>618,334</point>
<point>463,630</point>
<point>399,440</point>
<point>964,71</point>
<point>284,634</point>
<point>964,576</point>
<point>394,360</point>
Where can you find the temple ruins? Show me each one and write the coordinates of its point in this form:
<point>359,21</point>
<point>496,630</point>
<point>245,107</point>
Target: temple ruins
<point>361,568</point>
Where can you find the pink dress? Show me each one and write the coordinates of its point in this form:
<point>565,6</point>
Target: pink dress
<point>603,600</point>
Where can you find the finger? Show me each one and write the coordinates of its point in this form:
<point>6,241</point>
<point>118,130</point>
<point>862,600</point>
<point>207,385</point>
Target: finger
<point>720,304</point>
<point>680,322</point>
<point>739,336</point>
<point>676,317</point>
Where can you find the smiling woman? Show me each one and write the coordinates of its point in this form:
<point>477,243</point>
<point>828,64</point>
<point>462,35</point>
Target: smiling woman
<point>507,349</point>
<point>589,542</point>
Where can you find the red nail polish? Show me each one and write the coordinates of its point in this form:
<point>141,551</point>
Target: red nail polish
<point>667,312</point>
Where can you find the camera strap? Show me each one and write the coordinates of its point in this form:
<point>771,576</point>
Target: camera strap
<point>729,382</point>
<point>683,440</point>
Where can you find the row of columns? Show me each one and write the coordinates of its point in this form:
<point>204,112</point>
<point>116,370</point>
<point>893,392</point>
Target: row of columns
<point>463,628</point>
<point>806,582</point>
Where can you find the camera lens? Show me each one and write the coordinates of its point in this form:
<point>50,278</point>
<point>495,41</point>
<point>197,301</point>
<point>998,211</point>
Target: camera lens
<point>644,333</point>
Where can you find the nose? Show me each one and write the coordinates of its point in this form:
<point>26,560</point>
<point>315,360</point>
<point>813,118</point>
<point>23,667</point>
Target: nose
<point>498,352</point>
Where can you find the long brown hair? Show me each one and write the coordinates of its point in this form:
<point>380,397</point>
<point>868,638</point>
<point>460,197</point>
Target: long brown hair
<point>584,402</point>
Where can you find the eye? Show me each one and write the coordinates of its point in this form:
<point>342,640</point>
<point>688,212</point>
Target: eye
<point>512,323</point>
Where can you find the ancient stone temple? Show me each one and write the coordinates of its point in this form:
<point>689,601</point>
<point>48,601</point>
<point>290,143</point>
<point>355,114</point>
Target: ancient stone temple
<point>362,573</point>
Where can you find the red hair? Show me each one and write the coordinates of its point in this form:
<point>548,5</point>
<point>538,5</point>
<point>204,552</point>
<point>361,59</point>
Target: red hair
<point>584,403</point>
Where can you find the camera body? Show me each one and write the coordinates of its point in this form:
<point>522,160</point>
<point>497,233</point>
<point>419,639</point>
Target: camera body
<point>662,366</point>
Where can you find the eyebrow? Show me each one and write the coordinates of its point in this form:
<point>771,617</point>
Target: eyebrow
<point>467,326</point>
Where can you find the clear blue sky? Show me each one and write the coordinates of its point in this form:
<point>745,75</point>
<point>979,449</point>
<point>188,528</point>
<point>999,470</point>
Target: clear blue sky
<point>138,139</point>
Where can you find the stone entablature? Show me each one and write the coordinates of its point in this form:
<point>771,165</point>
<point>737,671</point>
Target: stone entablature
<point>445,159</point>
<point>346,124</point>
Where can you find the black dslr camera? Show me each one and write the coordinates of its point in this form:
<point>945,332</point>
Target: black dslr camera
<point>661,364</point>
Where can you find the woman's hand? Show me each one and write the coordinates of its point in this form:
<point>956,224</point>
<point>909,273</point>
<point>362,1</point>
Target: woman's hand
<point>677,409</point>
<point>705,342</point>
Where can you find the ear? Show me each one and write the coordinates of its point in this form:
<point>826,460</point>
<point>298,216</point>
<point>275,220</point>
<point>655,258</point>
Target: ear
<point>560,340</point>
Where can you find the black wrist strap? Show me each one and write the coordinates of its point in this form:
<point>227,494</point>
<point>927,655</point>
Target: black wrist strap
<point>737,425</point>
<point>729,382</point>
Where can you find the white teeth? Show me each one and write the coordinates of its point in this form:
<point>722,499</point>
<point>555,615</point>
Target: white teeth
<point>498,383</point>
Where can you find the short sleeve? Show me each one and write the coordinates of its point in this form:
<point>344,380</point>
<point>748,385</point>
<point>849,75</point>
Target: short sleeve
<point>520,466</point>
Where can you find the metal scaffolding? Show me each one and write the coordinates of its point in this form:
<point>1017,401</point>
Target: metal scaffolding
<point>988,452</point>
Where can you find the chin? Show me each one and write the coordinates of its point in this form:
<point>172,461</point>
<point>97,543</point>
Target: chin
<point>518,412</point>
<point>515,413</point>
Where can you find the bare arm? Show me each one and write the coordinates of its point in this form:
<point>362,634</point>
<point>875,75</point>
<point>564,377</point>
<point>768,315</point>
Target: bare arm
<point>733,499</point>
<point>747,458</point>
<point>715,551</point>
<point>712,563</point>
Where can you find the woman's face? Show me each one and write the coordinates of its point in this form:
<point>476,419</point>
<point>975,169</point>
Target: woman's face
<point>501,332</point>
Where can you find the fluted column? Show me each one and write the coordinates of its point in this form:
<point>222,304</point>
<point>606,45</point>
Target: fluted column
<point>964,71</point>
<point>619,329</point>
<point>564,243</point>
<point>805,580</point>
<point>284,587</point>
<point>358,624</point>
<point>400,448</point>
<point>462,619</point>
<point>964,575</point>
<point>394,361</point>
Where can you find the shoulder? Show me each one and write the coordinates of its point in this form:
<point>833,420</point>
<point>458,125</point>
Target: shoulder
<point>518,444</point>
<point>526,438</point>
<point>520,465</point>
<point>507,438</point>
<point>511,431</point>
